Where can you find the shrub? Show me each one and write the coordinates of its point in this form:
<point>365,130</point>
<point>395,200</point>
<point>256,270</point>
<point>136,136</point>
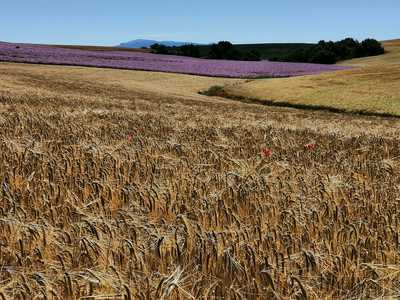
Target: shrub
<point>223,50</point>
<point>323,56</point>
<point>189,50</point>
<point>215,90</point>
<point>226,50</point>
<point>159,49</point>
<point>372,47</point>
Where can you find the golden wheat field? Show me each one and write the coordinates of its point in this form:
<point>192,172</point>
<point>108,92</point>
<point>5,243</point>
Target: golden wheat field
<point>130,185</point>
<point>373,86</point>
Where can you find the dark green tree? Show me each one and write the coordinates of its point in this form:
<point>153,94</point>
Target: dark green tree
<point>372,47</point>
<point>224,50</point>
<point>159,49</point>
<point>189,50</point>
<point>323,56</point>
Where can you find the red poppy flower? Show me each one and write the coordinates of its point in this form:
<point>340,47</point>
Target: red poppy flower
<point>267,152</point>
<point>130,138</point>
<point>310,146</point>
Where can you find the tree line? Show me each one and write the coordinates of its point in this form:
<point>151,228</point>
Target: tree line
<point>324,52</point>
<point>332,52</point>
<point>220,50</point>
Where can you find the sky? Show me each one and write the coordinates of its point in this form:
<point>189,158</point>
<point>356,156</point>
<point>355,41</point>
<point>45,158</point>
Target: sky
<point>110,22</point>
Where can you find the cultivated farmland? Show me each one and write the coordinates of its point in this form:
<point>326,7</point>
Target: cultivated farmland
<point>373,86</point>
<point>136,60</point>
<point>129,185</point>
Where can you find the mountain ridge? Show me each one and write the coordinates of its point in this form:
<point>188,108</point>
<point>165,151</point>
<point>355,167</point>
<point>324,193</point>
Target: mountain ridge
<point>139,43</point>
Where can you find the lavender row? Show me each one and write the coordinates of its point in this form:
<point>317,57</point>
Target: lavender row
<point>28,53</point>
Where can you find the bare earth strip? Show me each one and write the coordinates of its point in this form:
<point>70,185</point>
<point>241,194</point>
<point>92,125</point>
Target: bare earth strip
<point>130,185</point>
<point>373,86</point>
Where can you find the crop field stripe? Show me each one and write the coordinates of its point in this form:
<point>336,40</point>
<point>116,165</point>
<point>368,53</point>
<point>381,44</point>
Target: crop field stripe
<point>129,69</point>
<point>155,62</point>
<point>301,106</point>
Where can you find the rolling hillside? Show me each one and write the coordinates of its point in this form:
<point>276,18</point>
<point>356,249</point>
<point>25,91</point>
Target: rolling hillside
<point>100,48</point>
<point>373,86</point>
<point>139,43</point>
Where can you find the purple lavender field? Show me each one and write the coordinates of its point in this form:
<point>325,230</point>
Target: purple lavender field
<point>27,53</point>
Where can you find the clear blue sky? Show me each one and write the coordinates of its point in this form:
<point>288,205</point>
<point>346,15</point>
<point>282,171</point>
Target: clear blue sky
<point>109,22</point>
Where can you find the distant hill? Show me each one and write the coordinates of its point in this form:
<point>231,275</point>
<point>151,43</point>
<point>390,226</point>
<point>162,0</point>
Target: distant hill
<point>139,43</point>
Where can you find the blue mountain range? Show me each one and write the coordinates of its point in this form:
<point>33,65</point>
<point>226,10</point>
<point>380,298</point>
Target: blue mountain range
<point>139,43</point>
